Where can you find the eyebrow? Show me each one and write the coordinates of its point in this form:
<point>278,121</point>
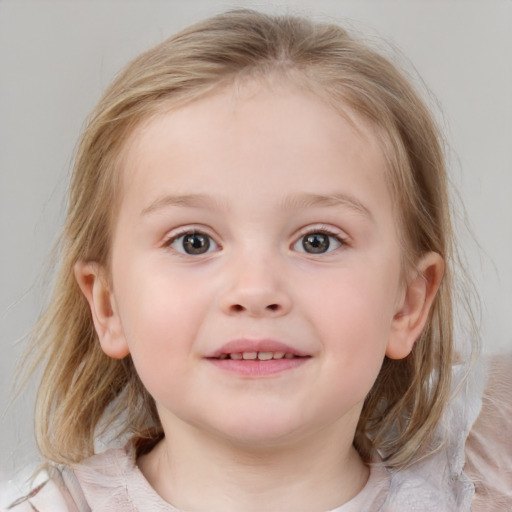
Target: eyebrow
<point>319,200</point>
<point>292,202</point>
<point>185,200</point>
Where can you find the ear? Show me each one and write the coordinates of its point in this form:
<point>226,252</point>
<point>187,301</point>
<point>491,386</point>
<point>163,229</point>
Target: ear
<point>413,310</point>
<point>91,279</point>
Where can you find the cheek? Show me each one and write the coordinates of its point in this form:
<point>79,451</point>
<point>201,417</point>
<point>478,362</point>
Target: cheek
<point>162,311</point>
<point>358,303</point>
<point>354,319</point>
<point>153,302</point>
<point>153,319</point>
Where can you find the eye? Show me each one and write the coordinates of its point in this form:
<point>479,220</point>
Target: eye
<point>193,243</point>
<point>318,242</point>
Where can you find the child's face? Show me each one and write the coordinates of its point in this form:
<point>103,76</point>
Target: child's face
<point>260,222</point>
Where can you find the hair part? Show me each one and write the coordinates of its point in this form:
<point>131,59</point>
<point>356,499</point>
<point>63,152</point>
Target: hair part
<point>82,388</point>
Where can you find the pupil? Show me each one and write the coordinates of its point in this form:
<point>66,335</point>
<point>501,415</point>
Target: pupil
<point>315,243</point>
<point>196,243</point>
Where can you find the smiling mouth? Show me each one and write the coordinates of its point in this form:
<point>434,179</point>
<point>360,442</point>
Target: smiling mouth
<point>254,358</point>
<point>258,364</point>
<point>257,356</point>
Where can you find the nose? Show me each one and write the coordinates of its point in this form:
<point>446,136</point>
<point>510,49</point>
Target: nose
<point>256,289</point>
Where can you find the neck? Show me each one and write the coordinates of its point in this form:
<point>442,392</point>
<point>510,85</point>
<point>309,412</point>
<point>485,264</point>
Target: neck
<point>204,473</point>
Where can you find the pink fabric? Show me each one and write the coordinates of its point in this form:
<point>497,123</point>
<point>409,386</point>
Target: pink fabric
<point>112,482</point>
<point>489,444</point>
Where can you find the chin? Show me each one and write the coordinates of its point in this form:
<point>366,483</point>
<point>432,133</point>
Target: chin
<point>261,433</point>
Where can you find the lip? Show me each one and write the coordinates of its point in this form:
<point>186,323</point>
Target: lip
<point>262,345</point>
<point>256,367</point>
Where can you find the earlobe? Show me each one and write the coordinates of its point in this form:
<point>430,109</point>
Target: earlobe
<point>90,277</point>
<point>413,312</point>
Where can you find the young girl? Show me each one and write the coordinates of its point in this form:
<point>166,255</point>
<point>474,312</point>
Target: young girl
<point>254,301</point>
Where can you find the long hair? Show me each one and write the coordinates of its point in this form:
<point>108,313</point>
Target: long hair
<point>81,387</point>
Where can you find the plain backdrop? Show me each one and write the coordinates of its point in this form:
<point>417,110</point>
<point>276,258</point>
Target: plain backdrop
<point>56,57</point>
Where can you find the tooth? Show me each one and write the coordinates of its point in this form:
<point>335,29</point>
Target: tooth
<point>265,356</point>
<point>236,356</point>
<point>223,356</point>
<point>289,356</point>
<point>278,355</point>
<point>250,355</point>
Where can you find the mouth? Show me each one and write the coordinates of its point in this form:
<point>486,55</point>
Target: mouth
<point>257,358</point>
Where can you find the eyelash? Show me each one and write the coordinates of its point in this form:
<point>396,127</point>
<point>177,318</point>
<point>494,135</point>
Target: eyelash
<point>168,243</point>
<point>320,230</point>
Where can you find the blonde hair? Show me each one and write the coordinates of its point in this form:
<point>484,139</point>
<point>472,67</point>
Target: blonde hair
<point>81,387</point>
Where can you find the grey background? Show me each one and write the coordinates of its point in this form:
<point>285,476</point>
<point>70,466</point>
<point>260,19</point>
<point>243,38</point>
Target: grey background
<point>57,56</point>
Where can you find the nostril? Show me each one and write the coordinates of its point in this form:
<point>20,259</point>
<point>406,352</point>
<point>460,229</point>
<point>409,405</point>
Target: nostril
<point>255,310</point>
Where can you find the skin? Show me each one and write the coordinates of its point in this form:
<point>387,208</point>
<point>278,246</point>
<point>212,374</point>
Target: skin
<point>256,171</point>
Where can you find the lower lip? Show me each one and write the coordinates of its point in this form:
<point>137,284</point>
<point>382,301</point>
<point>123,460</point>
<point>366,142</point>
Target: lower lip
<point>257,368</point>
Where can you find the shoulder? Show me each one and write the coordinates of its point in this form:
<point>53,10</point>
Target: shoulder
<point>489,444</point>
<point>111,481</point>
<point>437,482</point>
<point>58,488</point>
<point>107,482</point>
<point>473,469</point>
<point>54,489</point>
<point>103,478</point>
<point>111,463</point>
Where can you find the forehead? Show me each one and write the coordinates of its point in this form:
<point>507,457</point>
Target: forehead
<point>246,115</point>
<point>281,135</point>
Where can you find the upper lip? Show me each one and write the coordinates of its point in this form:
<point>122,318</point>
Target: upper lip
<point>261,345</point>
